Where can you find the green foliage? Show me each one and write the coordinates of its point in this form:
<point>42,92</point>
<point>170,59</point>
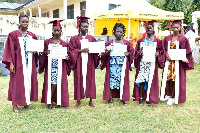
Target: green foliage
<point>194,6</point>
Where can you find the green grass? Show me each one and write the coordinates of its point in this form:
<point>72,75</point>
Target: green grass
<point>104,118</point>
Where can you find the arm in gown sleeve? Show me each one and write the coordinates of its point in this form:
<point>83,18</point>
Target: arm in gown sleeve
<point>73,52</point>
<point>9,51</point>
<point>43,58</point>
<point>137,55</point>
<point>104,57</point>
<point>130,49</point>
<point>190,64</point>
<point>68,67</point>
<point>95,56</point>
<point>161,54</point>
<point>36,54</point>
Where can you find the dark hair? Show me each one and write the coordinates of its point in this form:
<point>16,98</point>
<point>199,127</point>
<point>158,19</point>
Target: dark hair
<point>22,16</point>
<point>56,26</point>
<point>79,26</point>
<point>119,25</point>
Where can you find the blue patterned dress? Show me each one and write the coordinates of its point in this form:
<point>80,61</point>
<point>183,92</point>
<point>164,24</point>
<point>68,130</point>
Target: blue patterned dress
<point>116,63</point>
<point>25,37</point>
<point>143,75</point>
<point>54,68</point>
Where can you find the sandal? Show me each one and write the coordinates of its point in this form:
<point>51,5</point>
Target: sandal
<point>110,101</point>
<point>141,101</point>
<point>91,104</point>
<point>17,111</point>
<point>125,103</point>
<point>77,104</point>
<point>148,103</point>
<point>50,106</point>
<point>26,107</point>
<point>57,106</point>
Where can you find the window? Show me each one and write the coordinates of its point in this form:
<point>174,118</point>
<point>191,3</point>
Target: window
<point>45,14</point>
<point>56,13</point>
<point>82,8</point>
<point>70,12</point>
<point>112,6</point>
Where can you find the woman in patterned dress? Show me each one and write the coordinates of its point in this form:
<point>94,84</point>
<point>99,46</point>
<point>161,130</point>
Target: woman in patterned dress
<point>184,65</point>
<point>114,64</point>
<point>14,62</point>
<point>55,41</point>
<point>143,68</point>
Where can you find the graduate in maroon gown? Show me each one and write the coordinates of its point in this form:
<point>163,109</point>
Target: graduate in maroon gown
<point>142,76</point>
<point>13,59</point>
<point>186,64</point>
<point>55,41</point>
<point>117,67</point>
<point>75,53</point>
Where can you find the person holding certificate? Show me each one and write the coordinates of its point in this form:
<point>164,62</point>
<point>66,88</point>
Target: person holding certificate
<point>23,86</point>
<point>55,86</point>
<point>174,74</point>
<point>146,87</point>
<point>83,63</point>
<point>117,60</point>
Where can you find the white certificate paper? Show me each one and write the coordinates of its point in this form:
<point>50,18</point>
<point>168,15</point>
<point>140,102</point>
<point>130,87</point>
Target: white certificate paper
<point>149,52</point>
<point>177,54</point>
<point>58,52</point>
<point>34,45</point>
<point>118,50</point>
<point>96,47</point>
<point>84,43</point>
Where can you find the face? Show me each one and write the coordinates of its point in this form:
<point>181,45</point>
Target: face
<point>57,31</point>
<point>84,28</point>
<point>176,28</point>
<point>119,33</point>
<point>24,22</point>
<point>150,30</point>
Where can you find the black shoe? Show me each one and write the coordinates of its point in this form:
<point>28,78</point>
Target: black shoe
<point>50,107</point>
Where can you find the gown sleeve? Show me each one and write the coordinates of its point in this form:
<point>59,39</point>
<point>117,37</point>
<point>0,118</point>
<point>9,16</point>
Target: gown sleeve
<point>73,52</point>
<point>9,51</point>
<point>43,58</point>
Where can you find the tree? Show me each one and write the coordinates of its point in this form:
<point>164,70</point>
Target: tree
<point>194,6</point>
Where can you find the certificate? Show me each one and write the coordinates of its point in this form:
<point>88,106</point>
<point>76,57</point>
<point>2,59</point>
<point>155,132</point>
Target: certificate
<point>177,54</point>
<point>149,52</point>
<point>34,45</point>
<point>84,43</point>
<point>118,50</point>
<point>58,52</point>
<point>96,47</point>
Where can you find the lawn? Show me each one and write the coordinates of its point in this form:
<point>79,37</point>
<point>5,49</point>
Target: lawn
<point>104,118</point>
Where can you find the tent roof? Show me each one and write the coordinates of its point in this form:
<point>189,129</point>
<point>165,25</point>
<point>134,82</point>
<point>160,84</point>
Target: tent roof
<point>139,10</point>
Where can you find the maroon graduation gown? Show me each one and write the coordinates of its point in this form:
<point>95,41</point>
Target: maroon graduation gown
<point>183,44</point>
<point>105,63</point>
<point>76,65</point>
<point>154,92</point>
<point>43,67</point>
<point>12,53</point>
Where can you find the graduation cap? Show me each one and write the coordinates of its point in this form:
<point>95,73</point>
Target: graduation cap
<point>149,23</point>
<point>56,22</point>
<point>174,22</point>
<point>81,19</point>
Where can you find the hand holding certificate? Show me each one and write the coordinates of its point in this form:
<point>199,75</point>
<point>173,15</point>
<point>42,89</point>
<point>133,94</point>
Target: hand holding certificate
<point>177,54</point>
<point>118,50</point>
<point>96,47</point>
<point>149,52</point>
<point>59,52</point>
<point>35,45</point>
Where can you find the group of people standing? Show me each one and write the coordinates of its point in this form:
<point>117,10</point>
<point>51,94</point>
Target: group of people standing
<point>116,85</point>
